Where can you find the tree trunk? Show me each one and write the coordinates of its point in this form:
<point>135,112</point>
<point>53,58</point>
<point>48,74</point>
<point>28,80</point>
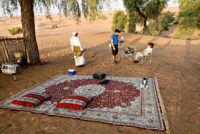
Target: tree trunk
<point>156,23</point>
<point>145,25</point>
<point>143,16</point>
<point>28,26</point>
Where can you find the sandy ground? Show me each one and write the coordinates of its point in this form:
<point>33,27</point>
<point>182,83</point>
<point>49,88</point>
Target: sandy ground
<point>176,64</point>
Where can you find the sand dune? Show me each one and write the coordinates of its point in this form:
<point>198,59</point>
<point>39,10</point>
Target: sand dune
<point>68,24</point>
<point>65,25</point>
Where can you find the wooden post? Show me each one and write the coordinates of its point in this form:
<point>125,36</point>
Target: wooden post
<point>6,51</point>
<point>3,56</point>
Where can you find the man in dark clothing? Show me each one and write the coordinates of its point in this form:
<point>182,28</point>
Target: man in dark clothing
<point>114,43</point>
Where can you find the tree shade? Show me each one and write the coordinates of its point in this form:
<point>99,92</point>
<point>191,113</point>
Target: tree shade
<point>89,8</point>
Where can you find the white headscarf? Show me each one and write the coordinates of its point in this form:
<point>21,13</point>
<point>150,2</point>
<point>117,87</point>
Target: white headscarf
<point>74,33</point>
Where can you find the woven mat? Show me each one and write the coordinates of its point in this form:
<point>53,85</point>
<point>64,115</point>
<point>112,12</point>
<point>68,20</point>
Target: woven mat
<point>120,102</point>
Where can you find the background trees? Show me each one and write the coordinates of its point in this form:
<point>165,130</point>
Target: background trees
<point>145,10</point>
<point>131,23</point>
<point>165,20</point>
<point>88,7</point>
<point>119,21</point>
<point>189,16</point>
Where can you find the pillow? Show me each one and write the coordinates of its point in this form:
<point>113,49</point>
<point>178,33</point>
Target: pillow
<point>74,102</point>
<point>31,99</point>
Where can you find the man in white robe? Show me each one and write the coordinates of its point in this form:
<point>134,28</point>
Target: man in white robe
<point>79,60</point>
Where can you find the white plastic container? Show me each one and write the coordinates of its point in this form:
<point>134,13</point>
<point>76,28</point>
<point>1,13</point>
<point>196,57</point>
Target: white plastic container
<point>10,69</point>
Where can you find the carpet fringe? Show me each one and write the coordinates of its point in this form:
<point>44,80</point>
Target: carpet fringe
<point>164,113</point>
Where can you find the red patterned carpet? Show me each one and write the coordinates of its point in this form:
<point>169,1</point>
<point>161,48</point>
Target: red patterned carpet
<point>109,95</point>
<point>120,102</point>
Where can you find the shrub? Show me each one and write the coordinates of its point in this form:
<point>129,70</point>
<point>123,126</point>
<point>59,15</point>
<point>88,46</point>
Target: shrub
<point>48,16</point>
<point>54,25</point>
<point>152,29</point>
<point>166,19</point>
<point>119,21</point>
<point>189,17</point>
<point>15,30</point>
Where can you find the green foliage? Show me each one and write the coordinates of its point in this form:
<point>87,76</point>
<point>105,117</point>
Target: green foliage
<point>189,16</point>
<point>166,19</point>
<point>54,25</point>
<point>131,23</point>
<point>89,8</point>
<point>119,21</point>
<point>187,4</point>
<point>15,30</point>
<point>145,10</point>
<point>152,29</point>
<point>9,6</point>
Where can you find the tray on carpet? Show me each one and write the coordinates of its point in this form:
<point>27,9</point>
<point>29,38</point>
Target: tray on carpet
<point>119,102</point>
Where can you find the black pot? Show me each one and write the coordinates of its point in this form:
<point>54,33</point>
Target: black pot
<point>99,76</point>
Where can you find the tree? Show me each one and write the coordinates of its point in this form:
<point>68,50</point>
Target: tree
<point>166,19</point>
<point>131,23</point>
<point>145,10</point>
<point>119,21</point>
<point>89,8</point>
<point>155,9</point>
<point>189,16</point>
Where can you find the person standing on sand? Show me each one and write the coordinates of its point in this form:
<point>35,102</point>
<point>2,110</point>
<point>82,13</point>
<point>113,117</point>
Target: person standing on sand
<point>114,45</point>
<point>77,50</point>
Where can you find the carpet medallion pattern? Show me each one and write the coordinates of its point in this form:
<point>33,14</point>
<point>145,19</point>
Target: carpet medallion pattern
<point>119,102</point>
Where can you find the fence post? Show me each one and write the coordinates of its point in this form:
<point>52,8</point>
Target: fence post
<point>5,50</point>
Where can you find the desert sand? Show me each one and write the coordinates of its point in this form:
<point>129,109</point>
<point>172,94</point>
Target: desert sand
<point>176,65</point>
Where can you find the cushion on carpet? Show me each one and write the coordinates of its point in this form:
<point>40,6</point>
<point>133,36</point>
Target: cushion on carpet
<point>31,99</point>
<point>74,102</point>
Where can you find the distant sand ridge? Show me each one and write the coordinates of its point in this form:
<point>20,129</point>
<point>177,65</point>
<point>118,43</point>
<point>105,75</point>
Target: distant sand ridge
<point>66,25</point>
